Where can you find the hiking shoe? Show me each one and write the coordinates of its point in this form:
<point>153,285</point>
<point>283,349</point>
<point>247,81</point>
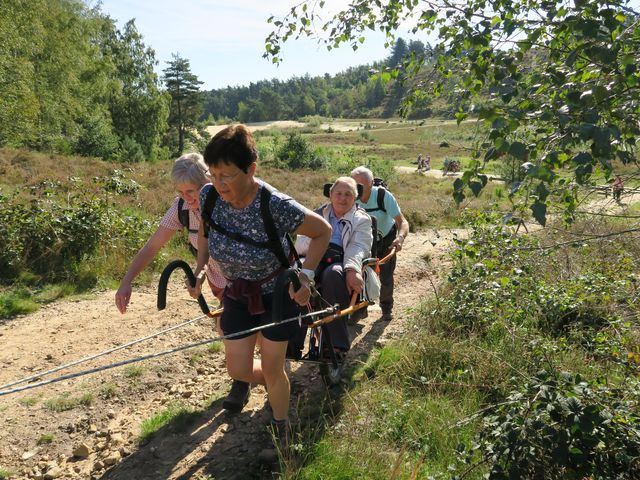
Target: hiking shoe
<point>281,430</point>
<point>238,396</point>
<point>281,435</point>
<point>386,317</point>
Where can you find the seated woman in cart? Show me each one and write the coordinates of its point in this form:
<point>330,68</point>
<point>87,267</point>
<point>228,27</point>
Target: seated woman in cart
<point>340,271</point>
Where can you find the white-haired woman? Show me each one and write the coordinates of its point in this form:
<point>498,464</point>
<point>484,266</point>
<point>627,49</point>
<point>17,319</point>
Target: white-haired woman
<point>189,174</point>
<point>340,271</point>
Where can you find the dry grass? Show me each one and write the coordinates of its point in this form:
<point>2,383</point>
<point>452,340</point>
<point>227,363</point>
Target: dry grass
<point>402,142</point>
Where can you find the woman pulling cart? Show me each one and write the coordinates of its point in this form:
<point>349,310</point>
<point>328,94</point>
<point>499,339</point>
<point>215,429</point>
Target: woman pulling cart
<point>244,229</point>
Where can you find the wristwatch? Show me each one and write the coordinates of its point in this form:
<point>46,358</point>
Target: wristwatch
<point>310,274</point>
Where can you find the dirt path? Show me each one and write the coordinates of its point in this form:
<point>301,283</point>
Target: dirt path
<point>98,416</point>
<point>433,172</point>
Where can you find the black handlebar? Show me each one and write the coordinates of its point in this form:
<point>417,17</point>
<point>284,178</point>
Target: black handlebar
<point>164,280</point>
<point>290,275</point>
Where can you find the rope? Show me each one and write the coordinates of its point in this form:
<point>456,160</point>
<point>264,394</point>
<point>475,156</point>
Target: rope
<point>164,352</point>
<point>111,350</point>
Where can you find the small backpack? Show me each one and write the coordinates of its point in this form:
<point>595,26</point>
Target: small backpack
<point>382,189</point>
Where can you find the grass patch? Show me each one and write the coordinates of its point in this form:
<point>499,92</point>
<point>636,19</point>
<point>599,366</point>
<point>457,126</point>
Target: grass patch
<point>175,416</point>
<point>67,402</point>
<point>29,401</point>
<point>15,303</point>
<point>215,347</point>
<point>109,390</point>
<point>5,474</point>
<point>45,438</point>
<point>133,371</point>
<point>49,293</point>
<point>195,359</point>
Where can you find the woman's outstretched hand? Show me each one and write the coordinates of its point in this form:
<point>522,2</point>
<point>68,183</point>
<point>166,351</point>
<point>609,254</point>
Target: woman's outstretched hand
<point>123,296</point>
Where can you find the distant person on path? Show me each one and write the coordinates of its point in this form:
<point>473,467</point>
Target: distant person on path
<point>617,188</point>
<point>393,228</point>
<point>244,228</point>
<point>189,175</point>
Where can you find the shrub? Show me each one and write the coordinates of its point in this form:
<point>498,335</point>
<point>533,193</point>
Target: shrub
<point>118,183</point>
<point>50,238</point>
<point>130,151</point>
<point>562,426</point>
<point>296,153</point>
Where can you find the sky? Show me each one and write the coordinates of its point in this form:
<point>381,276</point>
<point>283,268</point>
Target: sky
<point>224,39</point>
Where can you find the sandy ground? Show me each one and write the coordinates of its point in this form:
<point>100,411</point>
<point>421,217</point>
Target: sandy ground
<point>37,441</point>
<point>254,127</point>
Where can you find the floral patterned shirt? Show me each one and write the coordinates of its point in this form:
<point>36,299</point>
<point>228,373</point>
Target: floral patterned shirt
<point>237,259</point>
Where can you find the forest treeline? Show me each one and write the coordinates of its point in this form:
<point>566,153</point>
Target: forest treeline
<point>73,82</point>
<point>358,92</point>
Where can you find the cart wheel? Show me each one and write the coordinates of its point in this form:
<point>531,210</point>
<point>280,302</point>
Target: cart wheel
<point>330,375</point>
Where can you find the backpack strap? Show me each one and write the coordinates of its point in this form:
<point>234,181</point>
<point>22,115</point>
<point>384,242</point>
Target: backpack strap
<point>274,242</point>
<point>207,209</point>
<point>380,201</point>
<point>376,235</point>
<point>183,216</point>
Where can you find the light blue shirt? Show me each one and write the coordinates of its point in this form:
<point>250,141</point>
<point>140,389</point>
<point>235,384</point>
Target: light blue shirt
<point>385,220</point>
<point>336,228</point>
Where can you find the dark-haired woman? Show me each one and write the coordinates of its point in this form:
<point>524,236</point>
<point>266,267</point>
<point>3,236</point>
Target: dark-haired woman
<point>236,218</point>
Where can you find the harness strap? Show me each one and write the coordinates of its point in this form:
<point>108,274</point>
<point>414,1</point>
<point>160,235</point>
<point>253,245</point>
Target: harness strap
<point>183,216</point>
<point>380,201</point>
<point>274,242</point>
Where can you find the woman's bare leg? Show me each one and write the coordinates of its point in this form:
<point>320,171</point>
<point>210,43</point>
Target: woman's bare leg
<point>240,362</point>
<point>273,371</point>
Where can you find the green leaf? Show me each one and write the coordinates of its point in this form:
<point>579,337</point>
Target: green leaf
<point>518,150</point>
<point>539,210</point>
<point>541,191</point>
<point>460,116</point>
<point>476,187</point>
<point>582,158</point>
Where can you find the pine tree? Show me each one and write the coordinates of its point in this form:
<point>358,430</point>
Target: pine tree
<point>186,98</point>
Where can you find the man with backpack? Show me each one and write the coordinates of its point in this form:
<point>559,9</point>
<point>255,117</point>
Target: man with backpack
<point>392,226</point>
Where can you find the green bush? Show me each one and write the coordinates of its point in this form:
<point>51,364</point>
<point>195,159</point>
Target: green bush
<point>118,183</point>
<point>51,238</point>
<point>561,426</point>
<point>296,153</point>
